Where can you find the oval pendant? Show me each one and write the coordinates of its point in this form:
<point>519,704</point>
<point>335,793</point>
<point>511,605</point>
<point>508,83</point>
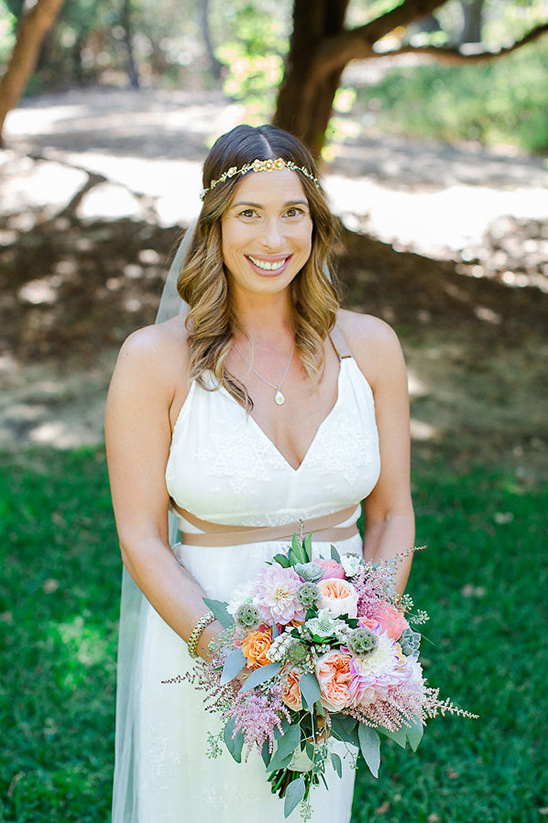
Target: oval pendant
<point>279,399</point>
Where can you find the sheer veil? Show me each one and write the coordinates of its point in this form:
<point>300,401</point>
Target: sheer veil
<point>133,614</point>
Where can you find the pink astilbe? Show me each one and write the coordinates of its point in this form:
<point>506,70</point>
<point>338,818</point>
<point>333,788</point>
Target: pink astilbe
<point>402,706</point>
<point>372,586</point>
<point>257,715</point>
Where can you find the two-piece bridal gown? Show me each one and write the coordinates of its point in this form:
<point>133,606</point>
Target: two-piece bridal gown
<point>223,468</point>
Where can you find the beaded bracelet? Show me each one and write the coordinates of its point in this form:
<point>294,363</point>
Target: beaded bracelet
<point>196,632</point>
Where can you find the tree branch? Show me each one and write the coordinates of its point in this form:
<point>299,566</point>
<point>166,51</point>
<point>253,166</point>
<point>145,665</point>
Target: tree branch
<point>468,54</point>
<point>357,44</point>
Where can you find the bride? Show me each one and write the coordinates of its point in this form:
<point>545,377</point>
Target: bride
<point>265,406</point>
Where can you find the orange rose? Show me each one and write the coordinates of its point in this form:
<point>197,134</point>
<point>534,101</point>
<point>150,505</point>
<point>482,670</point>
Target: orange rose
<point>291,693</point>
<point>255,647</point>
<point>338,596</point>
<point>333,673</point>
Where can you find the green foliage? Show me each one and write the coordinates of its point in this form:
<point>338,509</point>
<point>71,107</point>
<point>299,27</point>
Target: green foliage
<point>7,31</point>
<point>483,579</point>
<point>253,47</point>
<point>503,102</point>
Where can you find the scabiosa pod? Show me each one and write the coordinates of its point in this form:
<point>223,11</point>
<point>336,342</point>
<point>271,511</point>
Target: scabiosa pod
<point>308,595</point>
<point>247,616</point>
<point>362,642</point>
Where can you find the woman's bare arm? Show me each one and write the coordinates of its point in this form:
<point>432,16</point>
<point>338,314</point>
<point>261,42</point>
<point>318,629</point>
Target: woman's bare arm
<point>145,386</point>
<point>389,518</point>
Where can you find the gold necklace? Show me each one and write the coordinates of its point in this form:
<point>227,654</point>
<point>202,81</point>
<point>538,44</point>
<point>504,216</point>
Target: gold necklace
<point>279,397</point>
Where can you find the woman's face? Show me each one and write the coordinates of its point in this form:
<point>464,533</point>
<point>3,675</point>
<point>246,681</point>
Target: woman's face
<point>266,233</point>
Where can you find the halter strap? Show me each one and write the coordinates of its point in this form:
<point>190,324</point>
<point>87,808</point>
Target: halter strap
<point>338,340</point>
<point>322,529</point>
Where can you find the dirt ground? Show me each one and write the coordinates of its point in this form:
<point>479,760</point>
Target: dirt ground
<point>448,243</point>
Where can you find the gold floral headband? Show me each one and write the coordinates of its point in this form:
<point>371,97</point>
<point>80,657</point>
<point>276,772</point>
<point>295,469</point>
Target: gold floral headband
<point>260,165</point>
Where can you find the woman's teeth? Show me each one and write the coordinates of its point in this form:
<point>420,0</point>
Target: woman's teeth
<point>266,265</point>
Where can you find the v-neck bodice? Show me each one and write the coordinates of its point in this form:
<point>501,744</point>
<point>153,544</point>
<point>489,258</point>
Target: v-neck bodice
<point>222,466</point>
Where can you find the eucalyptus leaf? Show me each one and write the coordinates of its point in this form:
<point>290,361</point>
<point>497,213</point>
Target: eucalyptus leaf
<point>260,675</point>
<point>337,763</point>
<point>399,736</point>
<point>234,664</point>
<point>265,753</point>
<point>335,554</point>
<point>286,747</point>
<point>293,795</point>
<point>218,607</point>
<point>233,744</point>
<point>344,727</point>
<point>370,747</point>
<point>310,690</point>
<point>414,734</point>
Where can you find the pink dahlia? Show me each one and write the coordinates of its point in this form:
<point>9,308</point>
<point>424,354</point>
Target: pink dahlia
<point>373,676</point>
<point>276,592</point>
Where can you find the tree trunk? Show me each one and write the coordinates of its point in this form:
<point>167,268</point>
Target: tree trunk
<point>215,66</point>
<point>132,72</point>
<point>472,11</point>
<point>305,98</point>
<point>30,35</point>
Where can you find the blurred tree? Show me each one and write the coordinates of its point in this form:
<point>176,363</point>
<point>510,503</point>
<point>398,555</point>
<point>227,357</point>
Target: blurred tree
<point>215,65</point>
<point>127,25</point>
<point>472,14</point>
<point>321,47</point>
<point>33,27</point>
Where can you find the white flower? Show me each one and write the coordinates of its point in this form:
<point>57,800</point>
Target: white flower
<point>242,594</point>
<point>350,563</point>
<point>325,624</point>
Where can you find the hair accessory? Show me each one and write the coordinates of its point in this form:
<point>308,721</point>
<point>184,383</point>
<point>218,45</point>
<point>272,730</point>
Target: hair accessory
<point>279,397</point>
<point>196,633</point>
<point>260,165</point>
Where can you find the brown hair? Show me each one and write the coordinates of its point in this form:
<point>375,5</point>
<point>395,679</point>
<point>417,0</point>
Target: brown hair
<point>203,283</point>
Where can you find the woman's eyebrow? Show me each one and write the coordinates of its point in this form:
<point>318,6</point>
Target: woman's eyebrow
<point>240,203</point>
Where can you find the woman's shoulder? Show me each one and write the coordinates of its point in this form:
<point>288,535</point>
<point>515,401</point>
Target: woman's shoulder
<point>156,353</point>
<point>373,343</point>
<point>366,330</point>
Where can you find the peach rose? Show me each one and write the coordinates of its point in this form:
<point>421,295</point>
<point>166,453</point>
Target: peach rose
<point>392,622</point>
<point>338,597</point>
<point>367,623</point>
<point>255,647</point>
<point>331,569</point>
<point>334,676</point>
<point>291,693</point>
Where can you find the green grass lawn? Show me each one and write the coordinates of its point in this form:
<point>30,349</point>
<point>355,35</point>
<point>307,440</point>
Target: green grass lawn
<point>483,580</point>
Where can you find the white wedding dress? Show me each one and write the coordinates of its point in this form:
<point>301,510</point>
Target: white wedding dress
<point>223,468</point>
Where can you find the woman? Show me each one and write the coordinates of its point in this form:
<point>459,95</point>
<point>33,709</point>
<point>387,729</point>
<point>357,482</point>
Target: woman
<point>266,406</point>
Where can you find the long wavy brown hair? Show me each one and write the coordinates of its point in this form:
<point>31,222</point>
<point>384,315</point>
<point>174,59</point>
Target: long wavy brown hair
<point>203,284</point>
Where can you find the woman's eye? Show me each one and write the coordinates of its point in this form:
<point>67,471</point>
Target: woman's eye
<point>247,213</point>
<point>293,212</point>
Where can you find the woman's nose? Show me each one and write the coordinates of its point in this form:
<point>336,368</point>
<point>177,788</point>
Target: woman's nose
<point>272,234</point>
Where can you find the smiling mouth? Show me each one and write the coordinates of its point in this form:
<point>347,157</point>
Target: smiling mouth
<point>268,265</point>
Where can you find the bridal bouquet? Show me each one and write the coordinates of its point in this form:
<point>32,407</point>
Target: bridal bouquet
<point>314,649</point>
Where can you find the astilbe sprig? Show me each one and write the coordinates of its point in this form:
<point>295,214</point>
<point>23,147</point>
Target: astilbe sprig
<point>257,714</point>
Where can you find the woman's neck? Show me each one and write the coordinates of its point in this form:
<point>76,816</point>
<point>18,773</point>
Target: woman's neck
<point>265,318</point>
